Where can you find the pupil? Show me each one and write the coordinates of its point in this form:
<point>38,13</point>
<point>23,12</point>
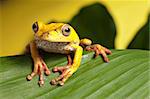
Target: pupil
<point>67,30</point>
<point>34,26</point>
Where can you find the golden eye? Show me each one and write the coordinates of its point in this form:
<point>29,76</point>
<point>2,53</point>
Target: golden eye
<point>66,30</point>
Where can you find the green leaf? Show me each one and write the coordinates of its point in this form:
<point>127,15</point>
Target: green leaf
<point>141,39</point>
<point>95,21</point>
<point>125,76</point>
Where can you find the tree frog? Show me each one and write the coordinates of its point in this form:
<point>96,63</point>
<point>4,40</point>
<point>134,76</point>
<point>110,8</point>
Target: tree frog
<point>60,38</point>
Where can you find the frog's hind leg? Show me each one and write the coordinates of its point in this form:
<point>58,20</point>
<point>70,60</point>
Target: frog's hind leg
<point>99,50</point>
<point>39,65</point>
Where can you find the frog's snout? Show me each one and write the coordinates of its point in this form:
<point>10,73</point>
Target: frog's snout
<point>35,27</point>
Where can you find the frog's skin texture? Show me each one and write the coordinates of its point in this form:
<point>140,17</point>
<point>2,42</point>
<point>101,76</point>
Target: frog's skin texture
<point>60,38</point>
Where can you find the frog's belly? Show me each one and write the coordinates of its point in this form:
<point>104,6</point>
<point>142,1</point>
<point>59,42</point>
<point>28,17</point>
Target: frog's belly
<point>54,47</point>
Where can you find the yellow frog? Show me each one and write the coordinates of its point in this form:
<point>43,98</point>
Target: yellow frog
<point>60,38</point>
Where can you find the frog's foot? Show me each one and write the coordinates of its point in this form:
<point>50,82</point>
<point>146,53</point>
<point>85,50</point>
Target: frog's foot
<point>99,50</point>
<point>65,71</point>
<point>39,68</point>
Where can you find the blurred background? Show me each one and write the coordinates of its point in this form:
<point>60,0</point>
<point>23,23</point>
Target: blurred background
<point>116,24</point>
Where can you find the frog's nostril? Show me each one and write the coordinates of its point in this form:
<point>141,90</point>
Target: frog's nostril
<point>35,27</point>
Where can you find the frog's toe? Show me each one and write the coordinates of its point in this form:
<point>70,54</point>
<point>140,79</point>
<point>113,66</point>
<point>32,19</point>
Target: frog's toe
<point>30,76</point>
<point>41,80</point>
<point>47,72</point>
<point>60,68</point>
<point>53,82</point>
<point>61,83</point>
<point>41,83</point>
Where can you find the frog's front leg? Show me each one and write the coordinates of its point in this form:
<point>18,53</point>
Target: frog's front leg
<point>99,50</point>
<point>39,65</point>
<point>69,69</point>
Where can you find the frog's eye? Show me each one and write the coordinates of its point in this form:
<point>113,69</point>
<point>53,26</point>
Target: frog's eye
<point>35,27</point>
<point>66,30</point>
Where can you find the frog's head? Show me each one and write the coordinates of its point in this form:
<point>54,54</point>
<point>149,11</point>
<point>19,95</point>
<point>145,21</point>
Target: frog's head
<point>55,32</point>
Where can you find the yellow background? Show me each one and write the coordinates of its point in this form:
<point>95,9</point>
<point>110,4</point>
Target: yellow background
<point>17,16</point>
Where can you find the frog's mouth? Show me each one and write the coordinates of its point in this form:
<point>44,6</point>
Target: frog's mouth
<point>41,42</point>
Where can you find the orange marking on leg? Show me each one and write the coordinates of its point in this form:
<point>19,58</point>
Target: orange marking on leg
<point>69,60</point>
